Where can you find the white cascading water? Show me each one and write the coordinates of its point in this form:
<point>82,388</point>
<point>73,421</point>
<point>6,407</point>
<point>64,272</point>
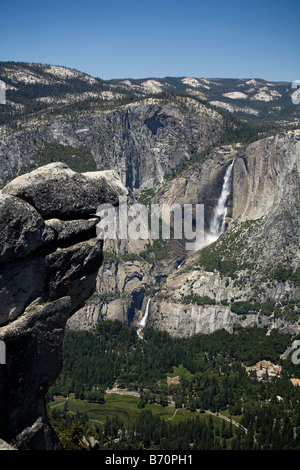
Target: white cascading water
<point>217,225</point>
<point>145,317</point>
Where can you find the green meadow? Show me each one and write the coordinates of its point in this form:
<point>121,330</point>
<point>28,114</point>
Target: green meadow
<point>122,406</point>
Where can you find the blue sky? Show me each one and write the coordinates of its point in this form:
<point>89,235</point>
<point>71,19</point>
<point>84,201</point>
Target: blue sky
<point>157,38</point>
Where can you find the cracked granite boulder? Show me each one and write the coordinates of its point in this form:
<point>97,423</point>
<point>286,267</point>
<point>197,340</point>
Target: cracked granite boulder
<point>49,260</point>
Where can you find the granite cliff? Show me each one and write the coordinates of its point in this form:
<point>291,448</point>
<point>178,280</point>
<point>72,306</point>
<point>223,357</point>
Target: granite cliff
<point>50,257</point>
<point>250,275</point>
<point>142,140</point>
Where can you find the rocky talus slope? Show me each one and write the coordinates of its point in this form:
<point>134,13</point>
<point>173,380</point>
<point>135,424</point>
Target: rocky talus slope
<point>49,261</point>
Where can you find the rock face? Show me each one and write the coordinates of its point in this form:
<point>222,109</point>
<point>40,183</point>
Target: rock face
<point>189,320</point>
<point>262,236</point>
<point>140,141</point>
<point>201,183</point>
<point>50,258</point>
<point>263,230</point>
<point>120,293</point>
<point>266,177</point>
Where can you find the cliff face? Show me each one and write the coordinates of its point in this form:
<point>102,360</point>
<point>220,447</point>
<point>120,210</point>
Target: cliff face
<point>50,257</point>
<point>262,239</point>
<point>262,235</point>
<point>266,177</point>
<point>141,141</point>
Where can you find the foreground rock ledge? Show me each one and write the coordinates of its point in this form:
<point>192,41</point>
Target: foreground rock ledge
<point>49,260</point>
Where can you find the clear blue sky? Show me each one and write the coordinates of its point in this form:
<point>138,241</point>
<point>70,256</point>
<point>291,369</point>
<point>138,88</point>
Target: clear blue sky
<point>156,38</point>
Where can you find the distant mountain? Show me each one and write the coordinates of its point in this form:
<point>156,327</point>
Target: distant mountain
<point>37,88</point>
<point>247,98</point>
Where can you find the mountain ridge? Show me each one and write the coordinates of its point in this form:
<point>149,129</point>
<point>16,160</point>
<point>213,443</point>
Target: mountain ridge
<point>264,99</point>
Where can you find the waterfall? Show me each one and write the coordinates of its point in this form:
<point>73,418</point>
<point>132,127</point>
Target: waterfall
<point>145,317</point>
<point>217,225</point>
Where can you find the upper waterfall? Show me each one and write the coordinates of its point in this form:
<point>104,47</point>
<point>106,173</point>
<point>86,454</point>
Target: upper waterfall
<point>217,224</point>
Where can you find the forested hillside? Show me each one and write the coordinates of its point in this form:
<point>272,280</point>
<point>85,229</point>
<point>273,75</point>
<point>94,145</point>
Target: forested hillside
<point>199,374</point>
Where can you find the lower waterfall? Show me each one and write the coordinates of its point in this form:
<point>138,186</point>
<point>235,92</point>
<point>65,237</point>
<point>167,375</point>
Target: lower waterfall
<point>143,321</point>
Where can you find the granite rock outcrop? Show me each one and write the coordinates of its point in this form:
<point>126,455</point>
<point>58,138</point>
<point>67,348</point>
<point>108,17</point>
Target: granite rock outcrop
<point>50,258</point>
